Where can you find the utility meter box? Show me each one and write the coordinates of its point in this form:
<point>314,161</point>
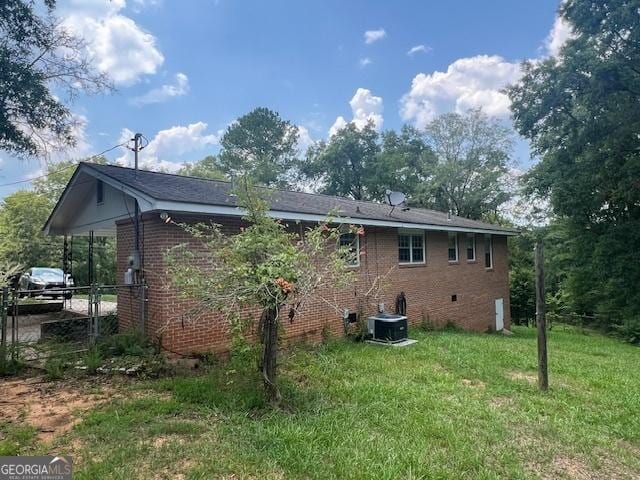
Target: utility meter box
<point>134,260</point>
<point>128,277</point>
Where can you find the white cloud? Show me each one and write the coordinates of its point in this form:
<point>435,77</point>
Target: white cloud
<point>338,125</point>
<point>419,49</point>
<point>52,149</point>
<point>304,139</point>
<point>372,36</point>
<point>83,147</point>
<point>117,44</point>
<point>363,62</point>
<point>473,82</point>
<point>165,92</point>
<point>468,83</point>
<point>365,107</point>
<point>166,148</point>
<point>558,36</point>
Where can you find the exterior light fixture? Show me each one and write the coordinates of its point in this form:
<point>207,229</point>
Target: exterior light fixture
<point>164,216</point>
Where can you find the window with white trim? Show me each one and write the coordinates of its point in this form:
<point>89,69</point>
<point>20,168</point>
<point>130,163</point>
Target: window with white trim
<point>411,247</point>
<point>488,251</point>
<point>453,247</point>
<point>351,243</point>
<point>471,247</point>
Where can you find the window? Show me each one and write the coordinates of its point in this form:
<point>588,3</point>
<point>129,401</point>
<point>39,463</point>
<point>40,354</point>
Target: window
<point>488,251</point>
<point>352,243</point>
<point>411,247</point>
<point>99,192</point>
<point>471,247</point>
<point>453,247</point>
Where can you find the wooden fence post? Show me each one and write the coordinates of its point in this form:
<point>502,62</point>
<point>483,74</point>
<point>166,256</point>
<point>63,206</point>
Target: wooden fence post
<point>543,376</point>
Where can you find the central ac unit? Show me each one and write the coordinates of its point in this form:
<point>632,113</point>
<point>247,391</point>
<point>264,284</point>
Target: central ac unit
<point>388,327</point>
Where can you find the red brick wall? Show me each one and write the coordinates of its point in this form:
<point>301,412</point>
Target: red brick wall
<point>428,288</point>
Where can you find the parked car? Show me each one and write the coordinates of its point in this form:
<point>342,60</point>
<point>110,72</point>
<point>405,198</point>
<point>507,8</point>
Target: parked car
<point>46,282</point>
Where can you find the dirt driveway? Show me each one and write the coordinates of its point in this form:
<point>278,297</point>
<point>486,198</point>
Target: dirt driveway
<point>81,305</point>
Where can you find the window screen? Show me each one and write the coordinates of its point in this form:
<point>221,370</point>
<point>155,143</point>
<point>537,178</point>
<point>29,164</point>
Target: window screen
<point>453,247</point>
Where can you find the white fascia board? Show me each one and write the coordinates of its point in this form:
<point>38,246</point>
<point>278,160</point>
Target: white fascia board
<point>308,217</point>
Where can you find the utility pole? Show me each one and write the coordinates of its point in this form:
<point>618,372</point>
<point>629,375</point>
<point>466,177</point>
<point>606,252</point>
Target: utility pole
<point>137,255</point>
<point>543,376</point>
<point>136,151</point>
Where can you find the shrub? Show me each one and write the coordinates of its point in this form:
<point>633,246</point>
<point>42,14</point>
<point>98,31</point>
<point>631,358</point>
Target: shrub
<point>92,360</point>
<point>630,330</point>
<point>130,344</point>
<point>54,368</point>
<point>10,366</point>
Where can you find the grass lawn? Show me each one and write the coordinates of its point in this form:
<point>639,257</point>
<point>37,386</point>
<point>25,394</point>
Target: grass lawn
<point>455,405</point>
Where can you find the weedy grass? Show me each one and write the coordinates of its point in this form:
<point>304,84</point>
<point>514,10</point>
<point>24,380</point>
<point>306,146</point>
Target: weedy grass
<point>455,405</point>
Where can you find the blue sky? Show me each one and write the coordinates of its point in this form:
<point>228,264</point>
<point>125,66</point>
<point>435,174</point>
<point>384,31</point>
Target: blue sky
<point>185,70</point>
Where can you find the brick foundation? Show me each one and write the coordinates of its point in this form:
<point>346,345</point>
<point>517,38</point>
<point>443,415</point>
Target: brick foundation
<point>428,288</point>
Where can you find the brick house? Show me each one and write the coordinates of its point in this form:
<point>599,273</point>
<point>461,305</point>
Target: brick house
<point>451,269</point>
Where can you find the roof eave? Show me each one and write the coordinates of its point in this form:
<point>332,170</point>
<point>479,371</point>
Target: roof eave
<point>197,208</point>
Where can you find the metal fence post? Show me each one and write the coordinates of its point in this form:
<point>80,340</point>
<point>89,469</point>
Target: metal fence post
<point>143,299</point>
<point>96,313</point>
<point>14,324</point>
<point>3,327</point>
<point>90,313</point>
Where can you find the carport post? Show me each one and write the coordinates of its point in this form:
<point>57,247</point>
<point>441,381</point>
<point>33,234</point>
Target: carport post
<point>91,286</point>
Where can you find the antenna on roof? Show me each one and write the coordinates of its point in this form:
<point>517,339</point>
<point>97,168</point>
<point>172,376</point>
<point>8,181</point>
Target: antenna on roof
<point>394,199</point>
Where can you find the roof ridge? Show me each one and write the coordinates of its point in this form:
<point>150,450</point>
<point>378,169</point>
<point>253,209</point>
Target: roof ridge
<point>418,210</point>
<point>314,194</point>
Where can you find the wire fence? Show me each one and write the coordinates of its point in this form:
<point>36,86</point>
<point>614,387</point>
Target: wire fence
<point>36,325</point>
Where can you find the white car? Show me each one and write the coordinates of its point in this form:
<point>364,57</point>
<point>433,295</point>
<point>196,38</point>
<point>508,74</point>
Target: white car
<point>46,282</point>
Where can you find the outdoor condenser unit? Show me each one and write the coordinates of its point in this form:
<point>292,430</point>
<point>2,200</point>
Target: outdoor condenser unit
<point>388,327</point>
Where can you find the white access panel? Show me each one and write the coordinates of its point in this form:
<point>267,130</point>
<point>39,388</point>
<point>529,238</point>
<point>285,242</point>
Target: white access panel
<point>499,314</point>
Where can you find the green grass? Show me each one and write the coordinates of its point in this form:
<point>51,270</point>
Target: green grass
<point>455,405</point>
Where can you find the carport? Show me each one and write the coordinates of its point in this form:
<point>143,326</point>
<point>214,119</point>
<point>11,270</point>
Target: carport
<point>89,207</point>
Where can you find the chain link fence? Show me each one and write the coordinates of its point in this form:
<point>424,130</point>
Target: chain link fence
<point>37,325</point>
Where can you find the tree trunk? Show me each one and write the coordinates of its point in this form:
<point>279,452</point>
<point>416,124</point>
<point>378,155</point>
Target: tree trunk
<point>268,363</point>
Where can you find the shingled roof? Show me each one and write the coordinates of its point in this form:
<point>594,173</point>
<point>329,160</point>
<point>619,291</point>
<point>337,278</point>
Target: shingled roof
<point>178,189</point>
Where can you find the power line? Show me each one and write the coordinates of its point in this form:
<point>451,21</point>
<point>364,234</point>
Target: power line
<point>26,180</point>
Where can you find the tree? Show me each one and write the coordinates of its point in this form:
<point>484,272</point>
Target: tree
<point>580,113</point>
<point>264,266</point>
<point>472,153</point>
<point>208,167</point>
<point>262,145</point>
<point>345,163</point>
<point>22,215</point>
<point>57,176</point>
<point>403,163</point>
<point>37,54</point>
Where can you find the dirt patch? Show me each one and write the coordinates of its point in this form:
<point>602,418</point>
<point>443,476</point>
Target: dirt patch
<point>501,402</point>
<point>531,378</point>
<point>51,407</point>
<point>576,469</point>
<point>566,467</point>
<point>473,383</point>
